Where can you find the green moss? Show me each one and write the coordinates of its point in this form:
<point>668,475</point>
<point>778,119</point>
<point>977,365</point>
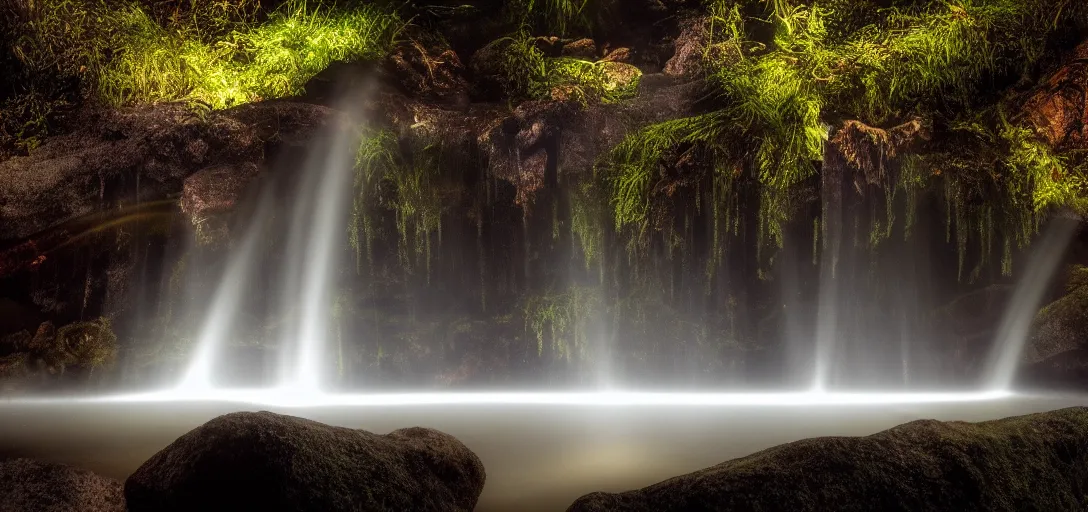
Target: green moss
<point>528,74</point>
<point>825,62</point>
<point>407,181</point>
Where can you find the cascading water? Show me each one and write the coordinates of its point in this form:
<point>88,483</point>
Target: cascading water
<point>1013,333</point>
<point>865,332</point>
<point>226,302</point>
<point>318,195</point>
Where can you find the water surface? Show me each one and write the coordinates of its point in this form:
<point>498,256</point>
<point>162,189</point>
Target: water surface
<point>538,457</point>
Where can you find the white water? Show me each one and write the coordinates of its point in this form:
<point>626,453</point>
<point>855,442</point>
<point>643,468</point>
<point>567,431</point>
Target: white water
<point>316,215</point>
<point>1015,327</point>
<point>226,303</point>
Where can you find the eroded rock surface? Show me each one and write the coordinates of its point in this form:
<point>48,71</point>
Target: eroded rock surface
<point>138,155</point>
<point>1034,462</point>
<point>269,462</point>
<point>33,486</point>
<point>1059,108</point>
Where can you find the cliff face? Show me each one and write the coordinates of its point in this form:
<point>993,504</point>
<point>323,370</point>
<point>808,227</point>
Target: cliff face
<point>542,194</point>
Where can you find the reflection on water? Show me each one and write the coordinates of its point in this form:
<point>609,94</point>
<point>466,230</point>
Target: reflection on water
<point>538,457</point>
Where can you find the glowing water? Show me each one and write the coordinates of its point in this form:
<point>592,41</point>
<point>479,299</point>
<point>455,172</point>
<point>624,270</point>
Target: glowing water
<point>303,398</point>
<point>322,224</point>
<point>226,303</point>
<point>316,213</point>
<point>1026,301</point>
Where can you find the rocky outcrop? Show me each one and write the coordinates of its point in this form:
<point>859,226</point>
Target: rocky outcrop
<point>270,462</point>
<point>33,486</point>
<point>1034,462</point>
<point>1057,353</point>
<point>138,155</point>
<point>690,46</point>
<point>1059,108</point>
<point>1062,326</point>
<point>212,192</point>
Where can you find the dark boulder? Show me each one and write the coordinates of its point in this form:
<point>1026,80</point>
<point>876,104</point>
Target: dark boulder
<point>33,486</point>
<point>1062,326</point>
<point>1035,462</point>
<point>268,462</point>
<point>1056,355</point>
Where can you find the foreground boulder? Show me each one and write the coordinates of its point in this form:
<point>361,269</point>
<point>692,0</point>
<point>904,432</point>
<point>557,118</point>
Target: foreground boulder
<point>33,486</point>
<point>269,462</point>
<point>1034,462</point>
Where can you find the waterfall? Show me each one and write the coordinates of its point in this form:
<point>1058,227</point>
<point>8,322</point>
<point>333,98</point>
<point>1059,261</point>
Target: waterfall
<point>1015,326</point>
<point>318,197</point>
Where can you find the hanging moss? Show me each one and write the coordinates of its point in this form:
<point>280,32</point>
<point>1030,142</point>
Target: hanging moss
<point>825,62</point>
<point>588,222</point>
<point>563,319</point>
<point>407,181</point>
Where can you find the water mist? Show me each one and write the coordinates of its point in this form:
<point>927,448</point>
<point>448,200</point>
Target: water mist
<point>314,211</point>
<point>1016,323</point>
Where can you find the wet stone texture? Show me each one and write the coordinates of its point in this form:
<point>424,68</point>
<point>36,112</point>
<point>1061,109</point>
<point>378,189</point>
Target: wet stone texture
<point>1059,109</point>
<point>33,486</point>
<point>269,462</point>
<point>1034,462</point>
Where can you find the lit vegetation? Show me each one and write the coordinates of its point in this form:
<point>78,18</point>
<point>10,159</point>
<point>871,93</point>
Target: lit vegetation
<point>216,53</point>
<point>273,59</point>
<point>562,320</point>
<point>527,73</point>
<point>407,182</point>
<point>781,97</point>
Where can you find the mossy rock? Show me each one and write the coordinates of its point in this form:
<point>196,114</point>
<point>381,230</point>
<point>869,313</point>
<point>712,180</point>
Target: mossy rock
<point>1034,462</point>
<point>271,462</point>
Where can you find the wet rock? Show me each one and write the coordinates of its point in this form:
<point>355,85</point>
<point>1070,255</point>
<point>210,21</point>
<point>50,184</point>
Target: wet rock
<point>1059,108</point>
<point>32,486</point>
<point>1034,462</point>
<point>618,55</point>
<point>581,49</point>
<point>212,192</point>
<point>690,45</point>
<point>1062,325</point>
<point>138,155</point>
<point>270,462</point>
<point>574,137</point>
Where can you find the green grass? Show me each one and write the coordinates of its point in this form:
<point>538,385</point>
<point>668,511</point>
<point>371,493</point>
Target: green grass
<point>560,17</point>
<point>269,60</point>
<point>62,53</point>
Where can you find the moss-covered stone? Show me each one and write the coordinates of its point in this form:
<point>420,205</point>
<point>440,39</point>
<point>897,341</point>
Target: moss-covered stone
<point>1034,462</point>
<point>273,462</point>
